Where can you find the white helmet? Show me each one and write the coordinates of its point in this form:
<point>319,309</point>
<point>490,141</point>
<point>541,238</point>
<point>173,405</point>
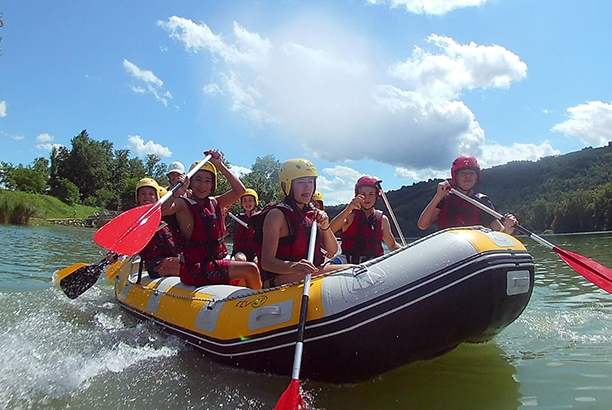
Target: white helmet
<point>176,167</point>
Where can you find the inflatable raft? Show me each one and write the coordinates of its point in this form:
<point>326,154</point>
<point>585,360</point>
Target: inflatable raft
<point>454,286</point>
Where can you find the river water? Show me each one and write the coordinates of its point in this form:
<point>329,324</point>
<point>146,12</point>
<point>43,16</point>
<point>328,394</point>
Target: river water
<point>86,353</point>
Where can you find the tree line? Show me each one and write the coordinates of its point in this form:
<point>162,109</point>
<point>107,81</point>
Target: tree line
<point>93,173</point>
<point>560,194</point>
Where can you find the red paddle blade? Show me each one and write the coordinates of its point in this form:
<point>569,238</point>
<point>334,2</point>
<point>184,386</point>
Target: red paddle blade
<point>595,272</point>
<point>129,232</point>
<point>291,398</point>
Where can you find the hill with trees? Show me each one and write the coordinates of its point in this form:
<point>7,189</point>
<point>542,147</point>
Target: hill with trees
<point>560,194</point>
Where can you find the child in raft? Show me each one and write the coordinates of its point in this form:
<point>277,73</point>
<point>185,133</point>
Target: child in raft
<point>452,211</point>
<point>364,228</point>
<point>245,248</point>
<point>202,226</point>
<point>287,228</point>
<point>160,255</point>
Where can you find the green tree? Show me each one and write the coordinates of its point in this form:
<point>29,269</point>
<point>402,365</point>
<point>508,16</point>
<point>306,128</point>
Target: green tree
<point>263,178</point>
<point>68,192</point>
<point>136,168</point>
<point>58,170</point>
<point>90,164</point>
<point>121,175</point>
<point>28,180</point>
<point>156,169</point>
<point>6,168</point>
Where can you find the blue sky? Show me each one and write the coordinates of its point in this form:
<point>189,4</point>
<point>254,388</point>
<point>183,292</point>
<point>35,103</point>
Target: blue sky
<point>391,88</point>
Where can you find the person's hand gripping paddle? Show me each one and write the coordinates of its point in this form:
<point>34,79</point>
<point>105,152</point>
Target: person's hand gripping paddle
<point>291,399</point>
<point>129,233</point>
<point>593,271</point>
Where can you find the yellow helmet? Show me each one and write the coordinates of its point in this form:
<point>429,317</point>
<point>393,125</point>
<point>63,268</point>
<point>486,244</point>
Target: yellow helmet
<point>318,196</point>
<point>150,182</point>
<point>252,193</point>
<point>162,191</point>
<point>293,169</point>
<point>210,168</point>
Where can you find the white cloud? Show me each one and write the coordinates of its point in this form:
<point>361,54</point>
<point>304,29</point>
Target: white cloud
<point>44,138</point>
<point>339,101</point>
<point>44,142</point>
<point>47,147</point>
<point>137,144</point>
<point>337,184</point>
<point>2,109</point>
<point>459,67</point>
<point>18,137</point>
<point>239,171</point>
<point>495,154</point>
<point>421,174</point>
<point>590,122</point>
<point>436,7</point>
<point>152,84</point>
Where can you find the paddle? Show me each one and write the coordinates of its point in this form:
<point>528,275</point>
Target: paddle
<point>76,279</point>
<point>112,271</point>
<point>291,398</point>
<point>593,271</point>
<point>129,232</point>
<point>240,221</point>
<point>399,230</point>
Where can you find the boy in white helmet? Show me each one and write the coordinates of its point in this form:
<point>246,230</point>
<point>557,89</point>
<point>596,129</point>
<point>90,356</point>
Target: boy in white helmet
<point>174,171</point>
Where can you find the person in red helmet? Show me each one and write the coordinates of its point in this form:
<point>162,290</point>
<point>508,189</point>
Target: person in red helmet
<point>364,228</point>
<point>452,211</point>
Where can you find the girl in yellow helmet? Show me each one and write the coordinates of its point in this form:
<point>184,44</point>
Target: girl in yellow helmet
<point>245,247</point>
<point>287,226</point>
<point>160,255</point>
<point>202,226</point>
<point>317,201</point>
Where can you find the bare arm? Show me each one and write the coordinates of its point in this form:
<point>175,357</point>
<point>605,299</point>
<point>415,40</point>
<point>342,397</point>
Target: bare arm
<point>275,227</point>
<point>388,235</point>
<point>231,196</point>
<point>345,218</point>
<point>431,212</point>
<point>328,239</point>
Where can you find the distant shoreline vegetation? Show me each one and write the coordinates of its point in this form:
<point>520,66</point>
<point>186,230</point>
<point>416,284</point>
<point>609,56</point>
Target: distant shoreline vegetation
<point>15,212</point>
<point>24,208</point>
<point>561,194</point>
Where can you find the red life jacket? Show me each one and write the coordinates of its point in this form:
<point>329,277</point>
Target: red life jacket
<point>363,239</point>
<point>244,238</point>
<point>206,242</point>
<point>161,245</point>
<point>456,212</point>
<point>294,247</point>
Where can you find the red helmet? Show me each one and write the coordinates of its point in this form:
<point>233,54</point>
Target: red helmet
<point>465,162</point>
<point>367,180</point>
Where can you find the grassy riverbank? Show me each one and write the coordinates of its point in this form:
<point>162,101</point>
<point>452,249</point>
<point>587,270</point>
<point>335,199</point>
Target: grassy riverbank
<point>24,208</point>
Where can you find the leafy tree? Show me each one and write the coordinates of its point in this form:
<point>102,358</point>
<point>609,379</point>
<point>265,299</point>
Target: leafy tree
<point>105,198</point>
<point>58,170</point>
<point>137,168</point>
<point>28,180</point>
<point>6,169</point>
<point>263,178</point>
<point>156,169</point>
<point>90,164</point>
<point>121,174</point>
<point>68,192</point>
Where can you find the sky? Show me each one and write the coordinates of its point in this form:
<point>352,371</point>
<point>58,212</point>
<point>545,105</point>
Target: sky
<point>391,88</point>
